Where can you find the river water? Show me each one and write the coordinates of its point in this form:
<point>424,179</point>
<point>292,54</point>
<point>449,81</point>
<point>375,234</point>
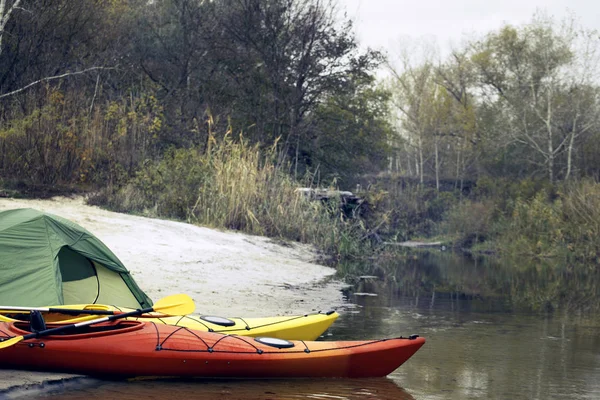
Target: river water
<point>493,332</point>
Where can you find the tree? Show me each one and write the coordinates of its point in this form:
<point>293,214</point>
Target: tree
<point>580,113</point>
<point>349,134</point>
<point>261,66</point>
<point>6,10</point>
<point>525,73</point>
<point>287,56</point>
<point>424,107</point>
<point>457,76</point>
<point>410,89</point>
<point>172,49</point>
<point>7,7</point>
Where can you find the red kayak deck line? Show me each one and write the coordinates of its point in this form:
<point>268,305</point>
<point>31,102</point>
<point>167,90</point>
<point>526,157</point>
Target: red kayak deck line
<point>134,348</point>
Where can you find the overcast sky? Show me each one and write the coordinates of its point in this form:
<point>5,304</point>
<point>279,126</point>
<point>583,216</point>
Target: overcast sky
<point>381,23</point>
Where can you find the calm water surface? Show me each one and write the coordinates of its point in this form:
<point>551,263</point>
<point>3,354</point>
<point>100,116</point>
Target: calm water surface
<point>477,355</point>
<point>491,334</point>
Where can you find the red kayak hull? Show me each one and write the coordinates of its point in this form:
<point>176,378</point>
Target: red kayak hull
<point>133,348</point>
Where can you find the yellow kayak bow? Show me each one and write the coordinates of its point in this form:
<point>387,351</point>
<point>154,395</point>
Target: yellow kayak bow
<point>289,327</point>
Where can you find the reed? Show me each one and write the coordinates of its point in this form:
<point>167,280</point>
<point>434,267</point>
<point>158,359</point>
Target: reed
<point>231,184</point>
<point>245,190</point>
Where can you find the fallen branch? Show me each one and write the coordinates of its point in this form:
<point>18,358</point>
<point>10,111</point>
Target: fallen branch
<point>50,78</point>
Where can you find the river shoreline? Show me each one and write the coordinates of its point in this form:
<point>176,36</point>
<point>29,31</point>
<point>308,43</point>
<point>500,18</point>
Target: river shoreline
<point>226,273</point>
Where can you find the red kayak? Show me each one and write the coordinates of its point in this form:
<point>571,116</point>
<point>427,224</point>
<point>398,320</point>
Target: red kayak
<point>135,348</point>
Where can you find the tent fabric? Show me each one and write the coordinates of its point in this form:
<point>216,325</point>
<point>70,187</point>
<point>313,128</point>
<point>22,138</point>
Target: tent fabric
<point>48,260</point>
<point>89,291</point>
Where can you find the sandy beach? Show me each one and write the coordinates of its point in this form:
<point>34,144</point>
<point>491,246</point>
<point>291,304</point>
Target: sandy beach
<point>226,273</point>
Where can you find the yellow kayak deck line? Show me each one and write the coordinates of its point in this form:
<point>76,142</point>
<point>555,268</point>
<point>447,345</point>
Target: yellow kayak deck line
<point>288,327</point>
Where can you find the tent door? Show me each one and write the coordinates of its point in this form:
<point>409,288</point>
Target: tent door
<point>89,282</point>
<point>79,278</point>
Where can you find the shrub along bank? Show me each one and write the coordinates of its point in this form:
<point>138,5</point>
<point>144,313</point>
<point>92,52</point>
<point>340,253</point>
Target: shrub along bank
<point>235,185</point>
<point>503,217</point>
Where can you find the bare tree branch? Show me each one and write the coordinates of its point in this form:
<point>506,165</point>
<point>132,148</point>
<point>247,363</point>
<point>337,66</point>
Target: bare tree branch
<point>51,78</point>
<point>5,15</point>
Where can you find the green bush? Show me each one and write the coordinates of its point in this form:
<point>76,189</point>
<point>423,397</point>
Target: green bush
<point>408,209</point>
<point>536,228</point>
<point>581,219</point>
<point>469,222</point>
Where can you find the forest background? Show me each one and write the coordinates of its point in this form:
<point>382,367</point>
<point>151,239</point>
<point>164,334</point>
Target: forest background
<point>215,112</point>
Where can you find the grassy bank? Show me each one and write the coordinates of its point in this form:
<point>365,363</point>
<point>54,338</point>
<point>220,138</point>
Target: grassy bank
<point>528,219</point>
<point>510,219</point>
<point>235,185</point>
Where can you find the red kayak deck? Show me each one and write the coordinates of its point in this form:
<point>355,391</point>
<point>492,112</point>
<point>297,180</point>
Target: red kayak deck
<point>133,348</point>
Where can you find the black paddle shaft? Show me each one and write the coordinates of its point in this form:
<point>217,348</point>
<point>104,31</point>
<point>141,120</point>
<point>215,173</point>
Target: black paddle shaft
<point>68,311</point>
<point>85,323</point>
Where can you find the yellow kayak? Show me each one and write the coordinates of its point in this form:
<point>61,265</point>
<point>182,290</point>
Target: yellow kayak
<point>289,327</point>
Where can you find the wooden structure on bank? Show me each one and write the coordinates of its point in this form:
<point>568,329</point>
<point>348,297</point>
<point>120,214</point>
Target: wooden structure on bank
<point>350,204</point>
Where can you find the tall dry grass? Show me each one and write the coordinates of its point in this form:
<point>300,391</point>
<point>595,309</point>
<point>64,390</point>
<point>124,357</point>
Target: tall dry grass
<point>246,191</point>
<point>234,185</point>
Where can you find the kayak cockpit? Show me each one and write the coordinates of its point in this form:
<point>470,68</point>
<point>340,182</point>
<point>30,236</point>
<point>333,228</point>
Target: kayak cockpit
<point>83,332</point>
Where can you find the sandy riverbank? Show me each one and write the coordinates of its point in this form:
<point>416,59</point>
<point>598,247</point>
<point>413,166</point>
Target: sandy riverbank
<point>226,273</point>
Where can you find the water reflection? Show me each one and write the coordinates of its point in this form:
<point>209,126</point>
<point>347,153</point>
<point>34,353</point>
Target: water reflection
<point>488,327</point>
<point>493,284</point>
<point>337,389</point>
<point>485,355</point>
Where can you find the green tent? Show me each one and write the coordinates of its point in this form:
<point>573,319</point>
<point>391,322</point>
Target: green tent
<point>47,260</point>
